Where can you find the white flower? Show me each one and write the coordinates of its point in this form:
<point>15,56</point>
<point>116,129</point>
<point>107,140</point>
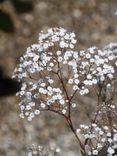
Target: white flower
<point>36,57</point>
<point>76,81</point>
<point>115,12</point>
<point>111,150</point>
<point>75,75</point>
<point>67,36</point>
<point>109,134</point>
<point>89,76</point>
<point>110,76</point>
<point>86,91</point>
<point>95,152</point>
<point>62,101</point>
<point>115,137</point>
<point>60,59</point>
<point>62,44</point>
<point>73,41</point>
<point>22,93</point>
<point>94,81</point>
<point>71,46</point>
<point>70,81</point>
<point>51,64</point>
<point>37,112</point>
<point>88,56</point>
<point>75,55</point>
<point>58,52</point>
<point>75,87</point>
<point>73,105</point>
<point>92,60</point>
<point>51,81</point>
<point>64,111</point>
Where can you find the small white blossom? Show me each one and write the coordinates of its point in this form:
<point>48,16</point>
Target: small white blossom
<point>95,152</point>
<point>37,112</point>
<point>110,150</point>
<point>64,111</point>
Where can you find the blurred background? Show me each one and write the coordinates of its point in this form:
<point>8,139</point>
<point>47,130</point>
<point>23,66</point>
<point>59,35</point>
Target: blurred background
<point>94,23</point>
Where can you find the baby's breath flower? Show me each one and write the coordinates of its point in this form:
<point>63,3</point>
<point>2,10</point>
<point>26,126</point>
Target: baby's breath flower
<point>52,72</point>
<point>110,151</point>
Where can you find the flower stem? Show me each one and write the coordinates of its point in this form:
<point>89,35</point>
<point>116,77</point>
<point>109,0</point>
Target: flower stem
<point>70,124</point>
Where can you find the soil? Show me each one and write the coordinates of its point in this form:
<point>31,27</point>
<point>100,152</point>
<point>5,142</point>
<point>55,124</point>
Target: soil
<point>95,24</point>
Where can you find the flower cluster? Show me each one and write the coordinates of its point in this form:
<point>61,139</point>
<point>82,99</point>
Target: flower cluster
<point>52,72</point>
<point>94,68</point>
<point>51,61</point>
<point>40,150</point>
<point>39,71</point>
<point>111,50</point>
<point>99,139</point>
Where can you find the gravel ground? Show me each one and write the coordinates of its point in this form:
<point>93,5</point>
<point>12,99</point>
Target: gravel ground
<point>94,23</point>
